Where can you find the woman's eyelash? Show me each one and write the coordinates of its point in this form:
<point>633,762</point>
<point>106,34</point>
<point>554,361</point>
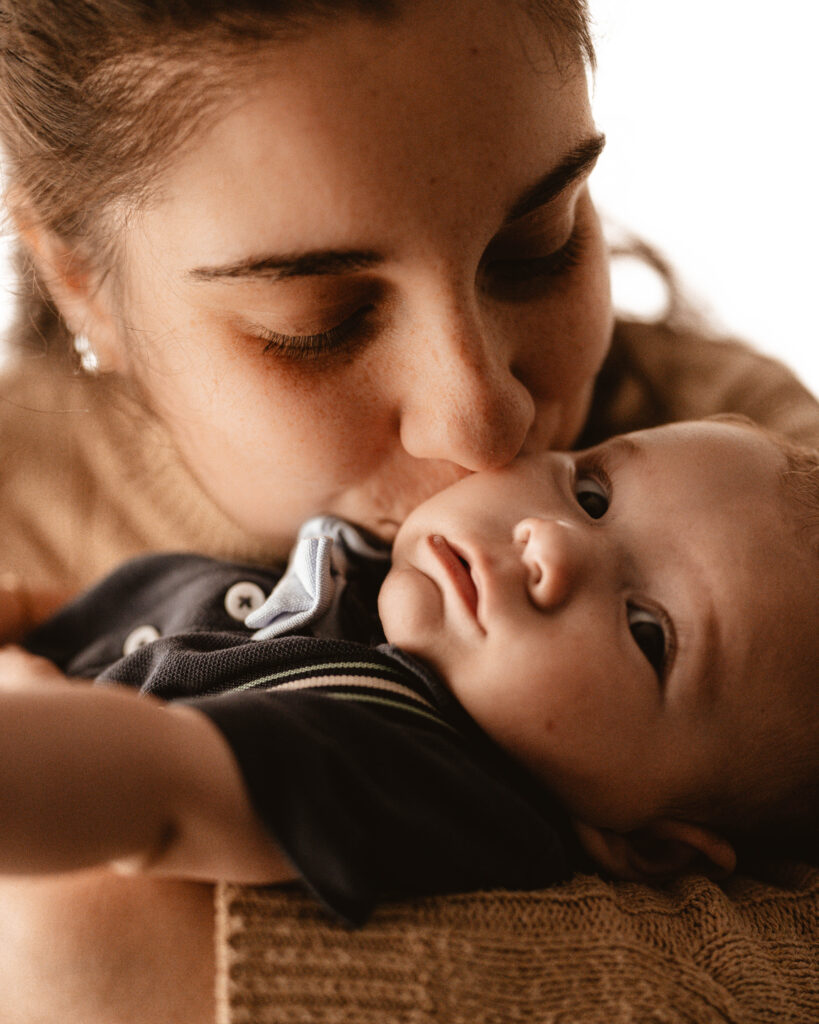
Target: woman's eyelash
<point>298,347</point>
<point>554,265</point>
<point>344,336</point>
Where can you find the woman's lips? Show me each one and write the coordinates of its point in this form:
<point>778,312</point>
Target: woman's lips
<point>457,571</point>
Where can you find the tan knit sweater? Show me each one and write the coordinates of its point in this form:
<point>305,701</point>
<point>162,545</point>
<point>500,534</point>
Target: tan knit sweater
<point>590,952</point>
<point>83,488</point>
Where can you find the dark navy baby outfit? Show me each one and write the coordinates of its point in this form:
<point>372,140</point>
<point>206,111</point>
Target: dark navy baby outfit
<point>358,760</point>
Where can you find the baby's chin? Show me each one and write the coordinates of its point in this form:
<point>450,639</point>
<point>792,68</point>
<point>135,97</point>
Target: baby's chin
<point>410,609</point>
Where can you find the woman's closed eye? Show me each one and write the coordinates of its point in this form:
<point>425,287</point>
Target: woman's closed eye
<point>510,272</point>
<point>339,339</point>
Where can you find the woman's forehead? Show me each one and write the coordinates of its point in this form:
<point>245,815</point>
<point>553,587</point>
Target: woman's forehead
<point>362,123</point>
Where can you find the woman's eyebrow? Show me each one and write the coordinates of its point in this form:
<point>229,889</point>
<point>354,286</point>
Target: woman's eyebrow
<point>575,164</point>
<point>304,264</point>
<point>335,262</point>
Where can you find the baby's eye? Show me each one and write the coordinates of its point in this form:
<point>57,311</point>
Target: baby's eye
<point>649,634</point>
<point>591,496</point>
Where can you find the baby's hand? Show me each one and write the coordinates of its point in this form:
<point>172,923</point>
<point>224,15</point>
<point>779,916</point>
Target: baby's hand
<point>20,670</point>
<point>22,607</point>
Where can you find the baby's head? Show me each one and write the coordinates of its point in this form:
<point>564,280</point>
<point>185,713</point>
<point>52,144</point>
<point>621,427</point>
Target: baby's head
<point>635,624</point>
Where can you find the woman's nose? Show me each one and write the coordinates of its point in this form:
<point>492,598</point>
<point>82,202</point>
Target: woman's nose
<point>552,554</point>
<point>464,405</point>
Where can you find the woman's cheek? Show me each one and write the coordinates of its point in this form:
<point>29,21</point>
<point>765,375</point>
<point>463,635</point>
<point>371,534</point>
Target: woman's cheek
<point>586,318</point>
<point>326,411</point>
<point>243,420</point>
<point>568,331</point>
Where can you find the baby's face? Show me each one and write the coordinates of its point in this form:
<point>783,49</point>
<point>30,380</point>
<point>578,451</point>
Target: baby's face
<point>619,620</point>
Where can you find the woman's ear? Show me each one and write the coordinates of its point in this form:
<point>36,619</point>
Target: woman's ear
<point>74,285</point>
<point>663,848</point>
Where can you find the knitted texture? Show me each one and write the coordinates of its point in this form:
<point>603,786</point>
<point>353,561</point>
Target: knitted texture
<point>744,952</point>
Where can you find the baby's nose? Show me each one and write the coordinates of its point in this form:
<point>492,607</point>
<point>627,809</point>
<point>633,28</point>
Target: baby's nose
<point>551,555</point>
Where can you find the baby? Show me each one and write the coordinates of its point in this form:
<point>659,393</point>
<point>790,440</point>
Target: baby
<point>628,634</point>
<point>636,624</point>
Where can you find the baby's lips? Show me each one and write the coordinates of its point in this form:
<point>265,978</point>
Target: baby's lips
<point>458,572</point>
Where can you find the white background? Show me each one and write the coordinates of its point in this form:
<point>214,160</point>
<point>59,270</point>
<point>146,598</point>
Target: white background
<point>710,111</point>
<point>710,108</point>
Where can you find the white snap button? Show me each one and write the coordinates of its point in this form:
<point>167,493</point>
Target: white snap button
<point>140,637</point>
<point>242,599</point>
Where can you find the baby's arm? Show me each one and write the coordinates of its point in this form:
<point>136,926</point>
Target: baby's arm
<point>100,776</point>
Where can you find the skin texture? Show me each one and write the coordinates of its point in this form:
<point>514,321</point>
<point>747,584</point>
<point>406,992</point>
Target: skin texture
<point>413,139</point>
<point>536,638</point>
<point>98,948</point>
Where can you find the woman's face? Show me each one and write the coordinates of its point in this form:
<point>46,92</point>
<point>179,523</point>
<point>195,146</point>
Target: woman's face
<point>377,272</point>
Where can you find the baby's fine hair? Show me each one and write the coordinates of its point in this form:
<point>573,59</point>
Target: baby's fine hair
<point>799,478</point>
<point>801,484</point>
<point>788,826</point>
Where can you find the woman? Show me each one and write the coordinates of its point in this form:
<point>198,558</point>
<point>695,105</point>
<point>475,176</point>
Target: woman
<point>324,257</point>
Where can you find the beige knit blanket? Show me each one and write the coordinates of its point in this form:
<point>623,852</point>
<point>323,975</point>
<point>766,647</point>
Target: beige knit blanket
<point>744,952</point>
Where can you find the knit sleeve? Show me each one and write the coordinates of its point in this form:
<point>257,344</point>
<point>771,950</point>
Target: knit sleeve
<point>656,374</point>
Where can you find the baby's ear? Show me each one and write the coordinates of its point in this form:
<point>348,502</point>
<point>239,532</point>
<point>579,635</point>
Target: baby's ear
<point>663,848</point>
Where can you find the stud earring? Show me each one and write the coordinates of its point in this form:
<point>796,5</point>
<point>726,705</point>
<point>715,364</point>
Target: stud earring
<point>89,360</point>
